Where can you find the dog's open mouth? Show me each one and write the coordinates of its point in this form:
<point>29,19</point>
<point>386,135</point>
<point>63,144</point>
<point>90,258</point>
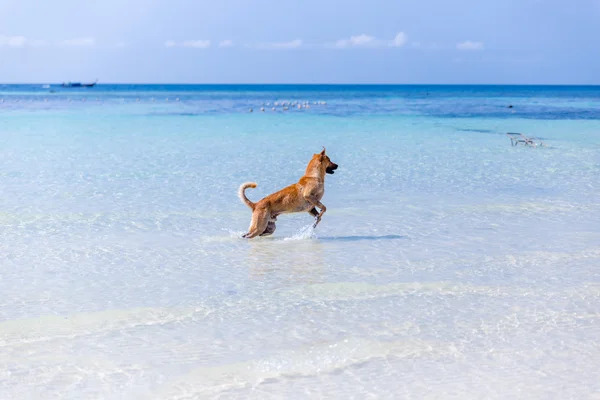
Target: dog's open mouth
<point>330,170</point>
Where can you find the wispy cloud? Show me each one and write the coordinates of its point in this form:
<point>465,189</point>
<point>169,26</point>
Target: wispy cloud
<point>356,41</point>
<point>80,42</point>
<point>13,41</point>
<point>294,44</point>
<point>21,41</point>
<point>400,40</point>
<point>470,46</point>
<point>225,43</point>
<point>369,41</point>
<point>198,44</point>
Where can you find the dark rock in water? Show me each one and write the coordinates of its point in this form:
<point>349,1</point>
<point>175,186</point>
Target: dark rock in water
<point>510,106</point>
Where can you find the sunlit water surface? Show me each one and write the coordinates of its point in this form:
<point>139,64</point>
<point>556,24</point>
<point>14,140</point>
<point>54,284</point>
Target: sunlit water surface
<point>448,265</point>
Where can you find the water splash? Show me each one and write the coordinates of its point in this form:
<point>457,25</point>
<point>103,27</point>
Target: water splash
<point>235,234</point>
<point>307,232</point>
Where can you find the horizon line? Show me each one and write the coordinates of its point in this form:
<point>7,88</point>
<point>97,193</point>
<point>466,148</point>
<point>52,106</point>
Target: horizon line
<point>310,84</point>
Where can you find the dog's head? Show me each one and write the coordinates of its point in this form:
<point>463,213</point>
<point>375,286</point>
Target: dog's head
<point>326,162</point>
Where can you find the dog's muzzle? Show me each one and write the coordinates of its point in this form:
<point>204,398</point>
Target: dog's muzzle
<point>330,170</point>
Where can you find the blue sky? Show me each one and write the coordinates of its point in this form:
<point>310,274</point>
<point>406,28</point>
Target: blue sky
<point>308,41</point>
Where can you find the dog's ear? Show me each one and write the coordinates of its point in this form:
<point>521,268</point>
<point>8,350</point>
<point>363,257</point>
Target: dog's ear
<point>322,154</point>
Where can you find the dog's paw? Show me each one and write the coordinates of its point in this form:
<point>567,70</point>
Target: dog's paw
<point>317,220</point>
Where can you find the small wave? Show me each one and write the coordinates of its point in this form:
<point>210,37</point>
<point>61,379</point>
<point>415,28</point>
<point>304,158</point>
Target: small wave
<point>174,114</point>
<point>51,327</point>
<point>228,236</point>
<point>476,130</point>
<point>312,360</point>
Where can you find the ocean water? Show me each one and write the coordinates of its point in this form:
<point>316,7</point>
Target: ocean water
<point>449,264</point>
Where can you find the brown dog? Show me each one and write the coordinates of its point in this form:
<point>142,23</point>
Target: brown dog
<point>299,197</point>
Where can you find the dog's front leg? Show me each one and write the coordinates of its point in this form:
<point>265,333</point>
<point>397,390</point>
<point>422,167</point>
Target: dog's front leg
<point>321,206</point>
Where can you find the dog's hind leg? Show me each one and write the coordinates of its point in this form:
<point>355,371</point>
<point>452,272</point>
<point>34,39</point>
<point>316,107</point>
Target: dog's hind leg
<point>260,221</point>
<point>270,228</point>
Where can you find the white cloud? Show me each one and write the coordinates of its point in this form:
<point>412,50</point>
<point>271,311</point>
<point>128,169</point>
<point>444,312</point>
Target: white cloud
<point>225,43</point>
<point>370,41</point>
<point>21,41</point>
<point>294,44</point>
<point>83,42</point>
<point>356,41</point>
<point>363,40</point>
<point>470,46</point>
<point>198,44</point>
<point>120,45</point>
<point>13,41</point>
<point>400,40</point>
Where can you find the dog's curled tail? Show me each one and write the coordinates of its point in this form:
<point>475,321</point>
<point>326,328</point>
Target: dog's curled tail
<point>242,194</point>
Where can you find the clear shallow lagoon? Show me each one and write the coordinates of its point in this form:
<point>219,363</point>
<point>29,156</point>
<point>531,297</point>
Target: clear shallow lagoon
<point>448,265</point>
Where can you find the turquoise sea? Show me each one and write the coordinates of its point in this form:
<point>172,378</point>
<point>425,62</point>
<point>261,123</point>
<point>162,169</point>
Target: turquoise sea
<point>448,265</point>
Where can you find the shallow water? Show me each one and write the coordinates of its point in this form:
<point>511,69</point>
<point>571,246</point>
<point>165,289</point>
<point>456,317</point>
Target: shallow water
<point>448,265</point>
